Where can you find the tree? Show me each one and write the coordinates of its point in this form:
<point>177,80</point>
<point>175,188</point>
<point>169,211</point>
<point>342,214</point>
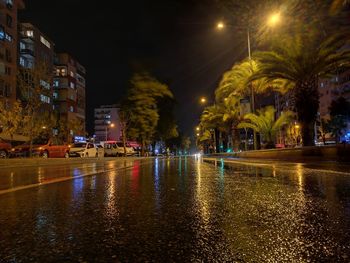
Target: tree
<point>11,118</point>
<point>143,96</point>
<point>238,81</point>
<point>166,127</point>
<point>302,59</point>
<point>34,85</point>
<point>340,116</point>
<point>125,122</point>
<point>264,123</point>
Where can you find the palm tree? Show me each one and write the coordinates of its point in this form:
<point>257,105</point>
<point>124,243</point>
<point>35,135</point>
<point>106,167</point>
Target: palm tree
<point>264,123</point>
<point>238,81</point>
<point>301,60</point>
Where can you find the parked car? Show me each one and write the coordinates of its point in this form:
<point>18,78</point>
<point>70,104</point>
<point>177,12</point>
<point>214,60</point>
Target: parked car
<point>114,148</point>
<point>5,149</point>
<point>129,150</point>
<point>52,148</point>
<point>84,149</point>
<point>110,148</point>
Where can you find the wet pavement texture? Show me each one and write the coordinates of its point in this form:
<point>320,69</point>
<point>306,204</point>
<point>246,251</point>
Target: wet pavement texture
<point>179,210</point>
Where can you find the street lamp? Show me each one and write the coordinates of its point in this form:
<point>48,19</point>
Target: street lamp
<point>272,21</point>
<point>203,100</point>
<point>110,125</point>
<point>197,129</point>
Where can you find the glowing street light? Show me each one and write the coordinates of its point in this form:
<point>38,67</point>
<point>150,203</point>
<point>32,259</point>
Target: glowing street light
<point>274,19</point>
<point>197,129</point>
<point>111,125</point>
<point>220,25</point>
<point>198,134</point>
<point>203,100</point>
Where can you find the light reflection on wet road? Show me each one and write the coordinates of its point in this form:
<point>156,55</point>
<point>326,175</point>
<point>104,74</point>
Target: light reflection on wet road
<point>179,210</point>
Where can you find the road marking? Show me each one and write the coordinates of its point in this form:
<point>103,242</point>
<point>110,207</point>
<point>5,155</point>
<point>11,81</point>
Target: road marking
<point>58,180</point>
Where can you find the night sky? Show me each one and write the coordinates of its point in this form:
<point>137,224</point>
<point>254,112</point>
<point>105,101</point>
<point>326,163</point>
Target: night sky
<point>175,40</point>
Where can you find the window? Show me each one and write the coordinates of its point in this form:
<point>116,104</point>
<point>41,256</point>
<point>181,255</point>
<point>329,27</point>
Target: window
<point>9,4</point>
<point>71,73</point>
<point>56,83</point>
<point>8,71</point>
<point>45,41</point>
<point>45,84</point>
<point>72,97</point>
<point>29,33</point>
<point>8,37</point>
<point>9,20</point>
<point>71,109</point>
<point>22,61</point>
<point>45,99</point>
<point>22,45</point>
<point>72,85</point>
<point>2,33</point>
<point>55,95</point>
<point>63,72</point>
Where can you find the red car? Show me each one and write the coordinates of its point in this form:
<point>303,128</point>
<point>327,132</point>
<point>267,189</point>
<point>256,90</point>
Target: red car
<point>5,149</point>
<point>52,148</point>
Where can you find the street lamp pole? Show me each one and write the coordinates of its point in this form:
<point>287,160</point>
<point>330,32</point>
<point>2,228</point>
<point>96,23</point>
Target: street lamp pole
<point>252,96</point>
<point>106,129</point>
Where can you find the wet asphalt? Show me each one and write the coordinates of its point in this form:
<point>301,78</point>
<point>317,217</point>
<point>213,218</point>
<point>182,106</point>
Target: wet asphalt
<point>174,210</point>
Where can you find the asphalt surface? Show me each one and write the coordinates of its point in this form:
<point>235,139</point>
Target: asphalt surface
<point>174,210</point>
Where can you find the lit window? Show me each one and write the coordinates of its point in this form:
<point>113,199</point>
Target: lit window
<point>45,99</point>
<point>22,61</point>
<point>55,95</point>
<point>71,74</point>
<point>44,84</point>
<point>45,41</point>
<point>9,3</point>
<point>8,37</point>
<point>29,33</point>
<point>56,83</point>
<point>2,33</point>
<point>72,85</point>
<point>63,72</point>
<point>71,109</point>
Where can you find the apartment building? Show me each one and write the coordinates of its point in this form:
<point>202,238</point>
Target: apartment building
<point>107,123</point>
<point>8,48</point>
<point>69,93</point>
<point>36,55</point>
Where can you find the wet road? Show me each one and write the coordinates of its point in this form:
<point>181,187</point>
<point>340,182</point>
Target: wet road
<point>175,210</point>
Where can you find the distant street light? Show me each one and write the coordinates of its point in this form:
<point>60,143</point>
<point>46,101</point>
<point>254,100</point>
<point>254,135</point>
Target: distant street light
<point>198,134</point>
<point>198,128</point>
<point>203,100</point>
<point>220,25</point>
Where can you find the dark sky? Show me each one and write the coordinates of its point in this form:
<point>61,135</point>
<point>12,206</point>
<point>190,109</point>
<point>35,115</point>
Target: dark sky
<point>175,39</point>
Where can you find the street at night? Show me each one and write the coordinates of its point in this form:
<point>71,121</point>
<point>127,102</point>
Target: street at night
<point>175,209</point>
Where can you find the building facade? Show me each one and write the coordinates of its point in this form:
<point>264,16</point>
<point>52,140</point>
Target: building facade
<point>107,123</point>
<point>8,49</point>
<point>69,94</point>
<point>36,55</point>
